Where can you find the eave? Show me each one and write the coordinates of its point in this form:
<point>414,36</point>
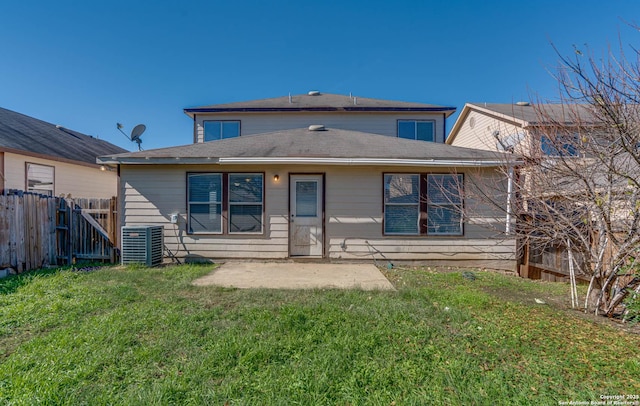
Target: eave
<point>302,161</point>
<point>48,157</point>
<point>198,110</point>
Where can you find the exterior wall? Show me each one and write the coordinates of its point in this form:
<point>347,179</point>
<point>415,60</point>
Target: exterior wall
<point>2,174</point>
<point>150,194</point>
<point>480,135</point>
<point>375,123</point>
<point>77,180</point>
<point>353,217</point>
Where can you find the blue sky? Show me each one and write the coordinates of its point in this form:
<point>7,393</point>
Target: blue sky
<point>87,65</point>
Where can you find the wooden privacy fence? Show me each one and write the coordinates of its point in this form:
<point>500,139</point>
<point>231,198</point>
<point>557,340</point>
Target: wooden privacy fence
<point>27,232</point>
<point>38,230</point>
<point>549,264</point>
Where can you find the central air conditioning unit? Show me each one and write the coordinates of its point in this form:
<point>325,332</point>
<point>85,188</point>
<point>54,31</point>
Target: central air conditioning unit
<point>142,245</point>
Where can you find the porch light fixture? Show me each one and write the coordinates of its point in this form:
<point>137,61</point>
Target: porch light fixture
<point>276,178</point>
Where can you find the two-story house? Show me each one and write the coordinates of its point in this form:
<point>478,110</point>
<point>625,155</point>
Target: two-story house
<point>521,128</point>
<point>547,137</point>
<point>316,176</point>
<point>40,157</point>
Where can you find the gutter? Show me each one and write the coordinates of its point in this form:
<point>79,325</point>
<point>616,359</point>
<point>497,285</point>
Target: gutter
<point>450,110</point>
<point>304,161</point>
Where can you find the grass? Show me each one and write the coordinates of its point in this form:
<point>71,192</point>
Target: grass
<point>139,336</point>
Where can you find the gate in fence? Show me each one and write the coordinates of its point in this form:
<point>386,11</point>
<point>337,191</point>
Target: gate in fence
<point>37,230</point>
<point>85,230</point>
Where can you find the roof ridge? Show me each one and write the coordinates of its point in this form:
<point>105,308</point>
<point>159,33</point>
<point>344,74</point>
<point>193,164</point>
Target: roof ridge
<point>321,101</point>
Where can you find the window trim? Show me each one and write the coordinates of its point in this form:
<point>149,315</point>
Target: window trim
<point>554,152</point>
<point>225,214</point>
<point>26,177</point>
<point>415,130</point>
<point>418,204</point>
<point>461,205</point>
<point>204,131</point>
<point>424,206</point>
<point>229,204</point>
<point>222,204</point>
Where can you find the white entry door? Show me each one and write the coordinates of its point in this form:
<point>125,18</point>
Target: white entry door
<point>305,218</point>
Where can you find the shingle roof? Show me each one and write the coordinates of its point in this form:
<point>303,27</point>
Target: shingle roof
<point>561,113</point>
<point>19,132</point>
<point>302,143</point>
<point>320,102</point>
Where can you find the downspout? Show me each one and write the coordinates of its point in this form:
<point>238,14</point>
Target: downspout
<point>195,133</point>
<point>444,127</point>
<point>4,180</point>
<point>507,228</point>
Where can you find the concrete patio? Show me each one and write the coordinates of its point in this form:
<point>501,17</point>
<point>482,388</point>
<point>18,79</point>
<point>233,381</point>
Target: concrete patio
<point>292,275</point>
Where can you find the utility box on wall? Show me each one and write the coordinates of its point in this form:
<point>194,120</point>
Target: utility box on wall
<point>142,245</point>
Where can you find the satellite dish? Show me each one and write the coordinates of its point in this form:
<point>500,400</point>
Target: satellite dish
<point>137,132</point>
<point>509,142</point>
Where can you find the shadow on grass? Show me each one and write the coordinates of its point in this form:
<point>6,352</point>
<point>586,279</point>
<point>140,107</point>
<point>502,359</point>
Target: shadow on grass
<point>12,283</point>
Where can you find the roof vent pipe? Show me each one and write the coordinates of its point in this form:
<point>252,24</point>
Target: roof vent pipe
<point>355,100</point>
<point>316,127</point>
<point>289,97</point>
<point>314,93</point>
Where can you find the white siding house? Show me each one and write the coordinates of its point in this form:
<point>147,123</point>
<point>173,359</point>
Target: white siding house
<point>494,126</point>
<point>39,157</point>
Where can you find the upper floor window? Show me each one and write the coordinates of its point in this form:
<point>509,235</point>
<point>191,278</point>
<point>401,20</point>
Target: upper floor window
<point>40,179</point>
<point>219,130</point>
<point>417,130</point>
<point>559,146</point>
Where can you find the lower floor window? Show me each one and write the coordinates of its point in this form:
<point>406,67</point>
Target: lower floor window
<point>245,203</point>
<point>225,203</point>
<point>444,204</point>
<point>428,204</point>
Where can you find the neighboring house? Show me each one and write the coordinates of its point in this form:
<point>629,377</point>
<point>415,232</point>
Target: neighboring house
<point>500,127</point>
<point>39,157</point>
<point>262,189</point>
<point>541,134</point>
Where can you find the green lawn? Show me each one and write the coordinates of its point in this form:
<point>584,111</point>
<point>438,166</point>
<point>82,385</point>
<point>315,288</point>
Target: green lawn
<point>146,336</point>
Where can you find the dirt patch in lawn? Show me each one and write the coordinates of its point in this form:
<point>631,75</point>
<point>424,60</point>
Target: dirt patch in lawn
<point>540,293</point>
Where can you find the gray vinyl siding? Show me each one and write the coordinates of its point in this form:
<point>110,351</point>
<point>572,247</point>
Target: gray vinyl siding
<point>375,123</point>
<point>152,193</point>
<point>353,218</point>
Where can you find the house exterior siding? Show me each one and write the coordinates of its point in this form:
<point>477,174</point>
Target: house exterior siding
<point>76,180</point>
<point>353,217</point>
<point>480,134</point>
<point>375,123</point>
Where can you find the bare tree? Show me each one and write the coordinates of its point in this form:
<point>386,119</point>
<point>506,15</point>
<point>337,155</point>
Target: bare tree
<point>581,181</point>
